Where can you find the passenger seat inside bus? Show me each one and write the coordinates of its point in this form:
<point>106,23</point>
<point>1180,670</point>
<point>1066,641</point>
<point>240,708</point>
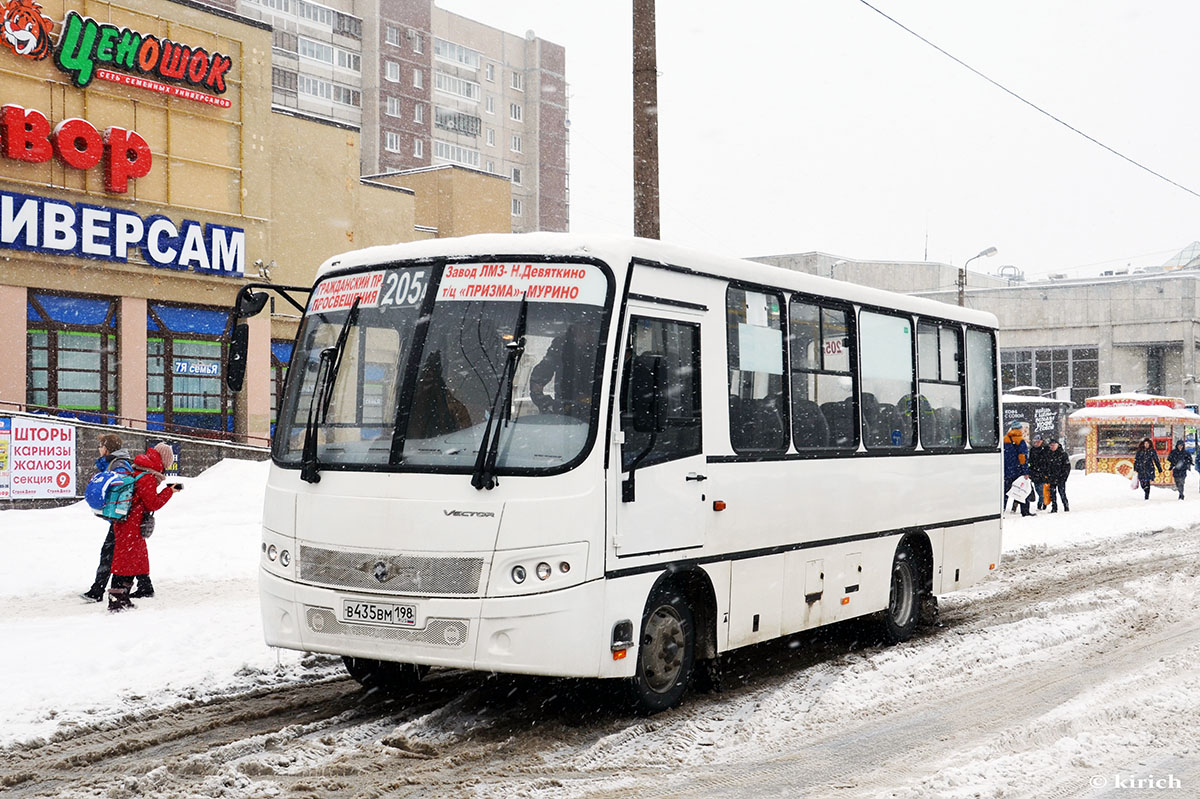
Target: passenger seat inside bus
<point>809,426</point>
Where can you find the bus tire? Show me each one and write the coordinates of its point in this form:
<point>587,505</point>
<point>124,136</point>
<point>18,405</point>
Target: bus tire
<point>393,679</point>
<point>666,654</point>
<point>899,620</point>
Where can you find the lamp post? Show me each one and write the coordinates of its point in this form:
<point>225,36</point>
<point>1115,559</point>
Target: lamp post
<point>962,275</point>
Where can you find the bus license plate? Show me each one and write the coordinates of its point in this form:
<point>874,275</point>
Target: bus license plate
<point>382,613</point>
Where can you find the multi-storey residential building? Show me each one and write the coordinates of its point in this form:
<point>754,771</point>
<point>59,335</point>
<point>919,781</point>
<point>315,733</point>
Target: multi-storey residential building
<point>429,87</point>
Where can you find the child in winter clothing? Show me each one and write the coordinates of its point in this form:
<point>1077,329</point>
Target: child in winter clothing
<point>130,556</point>
<point>1180,460</point>
<point>112,457</point>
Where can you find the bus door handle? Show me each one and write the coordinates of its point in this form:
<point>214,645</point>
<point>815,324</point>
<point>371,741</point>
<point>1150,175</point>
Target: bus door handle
<point>699,478</point>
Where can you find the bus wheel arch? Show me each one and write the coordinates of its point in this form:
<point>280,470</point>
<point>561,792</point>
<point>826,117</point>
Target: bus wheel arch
<point>676,632</point>
<point>910,580</point>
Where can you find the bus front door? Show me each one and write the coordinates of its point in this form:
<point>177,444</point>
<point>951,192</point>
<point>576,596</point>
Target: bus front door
<point>661,502</point>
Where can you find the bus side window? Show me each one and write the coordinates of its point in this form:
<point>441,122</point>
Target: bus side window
<point>885,352</point>
<point>679,344</point>
<point>758,412</point>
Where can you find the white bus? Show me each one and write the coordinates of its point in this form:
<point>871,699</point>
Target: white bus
<point>552,455</point>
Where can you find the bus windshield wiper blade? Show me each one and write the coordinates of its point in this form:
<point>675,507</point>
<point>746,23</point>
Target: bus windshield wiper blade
<point>484,475</point>
<point>331,361</point>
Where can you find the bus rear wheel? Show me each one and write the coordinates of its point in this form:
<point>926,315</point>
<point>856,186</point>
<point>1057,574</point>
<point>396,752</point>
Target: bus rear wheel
<point>393,679</point>
<point>899,621</point>
<point>666,654</point>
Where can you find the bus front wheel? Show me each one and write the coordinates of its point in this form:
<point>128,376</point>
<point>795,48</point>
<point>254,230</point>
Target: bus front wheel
<point>666,654</point>
<point>392,679</point>
<point>899,621</point>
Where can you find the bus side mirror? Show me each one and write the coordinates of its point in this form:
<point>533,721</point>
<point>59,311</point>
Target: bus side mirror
<point>648,385</point>
<point>235,369</point>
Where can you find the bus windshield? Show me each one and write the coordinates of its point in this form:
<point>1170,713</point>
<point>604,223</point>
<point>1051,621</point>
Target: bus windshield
<point>419,396</point>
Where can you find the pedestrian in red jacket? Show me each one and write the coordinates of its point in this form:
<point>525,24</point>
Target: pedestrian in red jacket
<point>130,556</point>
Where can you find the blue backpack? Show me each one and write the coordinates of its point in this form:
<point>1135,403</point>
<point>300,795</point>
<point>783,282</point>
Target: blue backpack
<point>110,493</point>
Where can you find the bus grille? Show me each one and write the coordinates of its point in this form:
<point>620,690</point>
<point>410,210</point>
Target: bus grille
<point>396,574</point>
<point>437,632</point>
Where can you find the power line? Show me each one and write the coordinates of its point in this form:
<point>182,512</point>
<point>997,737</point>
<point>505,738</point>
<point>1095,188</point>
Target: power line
<point>1032,105</point>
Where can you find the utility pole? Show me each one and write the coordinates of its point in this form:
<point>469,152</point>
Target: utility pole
<point>645,121</point>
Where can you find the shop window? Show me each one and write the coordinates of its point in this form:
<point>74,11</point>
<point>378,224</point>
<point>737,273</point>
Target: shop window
<point>71,356</point>
<point>185,351</point>
<point>757,410</point>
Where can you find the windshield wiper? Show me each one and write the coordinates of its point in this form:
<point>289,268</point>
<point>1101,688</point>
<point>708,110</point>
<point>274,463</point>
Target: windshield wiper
<point>318,405</point>
<point>484,475</point>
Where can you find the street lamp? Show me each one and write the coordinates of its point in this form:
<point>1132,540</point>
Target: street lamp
<point>962,275</point>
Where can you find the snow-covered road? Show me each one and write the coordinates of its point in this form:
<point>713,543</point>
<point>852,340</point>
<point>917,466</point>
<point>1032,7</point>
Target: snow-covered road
<point>1074,671</point>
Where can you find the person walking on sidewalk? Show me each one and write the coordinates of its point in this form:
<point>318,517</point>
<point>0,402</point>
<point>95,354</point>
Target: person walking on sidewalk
<point>1058,467</point>
<point>112,458</point>
<point>130,555</point>
<point>1146,464</point>
<point>1181,461</point>
<point>1038,471</point>
<point>1016,453</point>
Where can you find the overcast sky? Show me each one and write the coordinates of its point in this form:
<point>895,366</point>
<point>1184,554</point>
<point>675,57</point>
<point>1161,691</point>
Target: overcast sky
<point>799,125</point>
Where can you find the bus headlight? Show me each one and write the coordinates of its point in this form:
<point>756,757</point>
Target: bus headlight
<point>543,571</point>
<point>272,553</point>
<point>285,558</point>
<point>518,574</point>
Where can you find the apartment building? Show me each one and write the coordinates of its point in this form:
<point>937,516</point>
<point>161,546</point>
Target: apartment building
<point>429,87</point>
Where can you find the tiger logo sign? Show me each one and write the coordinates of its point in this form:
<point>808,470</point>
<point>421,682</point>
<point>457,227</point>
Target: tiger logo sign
<point>26,29</point>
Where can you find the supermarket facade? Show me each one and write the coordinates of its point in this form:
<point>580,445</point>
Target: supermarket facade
<point>144,178</point>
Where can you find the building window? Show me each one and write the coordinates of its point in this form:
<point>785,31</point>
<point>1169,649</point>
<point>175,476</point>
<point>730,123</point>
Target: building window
<point>418,41</point>
<point>514,112</point>
<point>458,87</point>
<point>489,73</point>
<point>491,137</point>
<point>347,25</point>
<point>1155,383</point>
<point>393,71</point>
<point>456,121</point>
<point>418,113</point>
<point>185,352</point>
<point>1049,369</point>
<point>517,207</point>
<point>418,79</point>
<point>757,415</point>
<point>518,81</point>
<point>516,175</point>
<point>71,355</point>
<point>456,53</point>
<point>347,96</point>
<point>515,145</point>
<point>418,148</point>
<point>314,50</point>
<point>322,15</point>
<point>821,344</point>
<point>393,106</point>
<point>349,60</point>
<point>489,104</point>
<point>391,142</point>
<point>455,154</point>
<point>283,79</point>
<point>314,87</point>
<point>282,40</point>
<point>393,35</point>
<point>490,167</point>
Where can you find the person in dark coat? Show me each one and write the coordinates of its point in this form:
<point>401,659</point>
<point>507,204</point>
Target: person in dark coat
<point>112,458</point>
<point>1016,457</point>
<point>130,556</point>
<point>1180,460</point>
<point>1038,472</point>
<point>1058,467</point>
<point>1146,464</point>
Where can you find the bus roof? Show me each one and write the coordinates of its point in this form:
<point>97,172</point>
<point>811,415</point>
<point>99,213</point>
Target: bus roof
<point>619,250</point>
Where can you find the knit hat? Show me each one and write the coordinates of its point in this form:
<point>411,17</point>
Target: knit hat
<point>166,453</point>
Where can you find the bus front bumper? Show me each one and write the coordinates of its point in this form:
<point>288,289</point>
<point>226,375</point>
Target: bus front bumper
<point>558,633</point>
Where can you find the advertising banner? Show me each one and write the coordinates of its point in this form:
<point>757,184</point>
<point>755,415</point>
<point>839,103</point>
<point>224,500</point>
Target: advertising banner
<point>37,459</point>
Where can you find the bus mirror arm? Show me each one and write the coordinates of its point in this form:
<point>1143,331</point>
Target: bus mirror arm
<point>247,304</point>
<point>648,382</point>
<point>628,493</point>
